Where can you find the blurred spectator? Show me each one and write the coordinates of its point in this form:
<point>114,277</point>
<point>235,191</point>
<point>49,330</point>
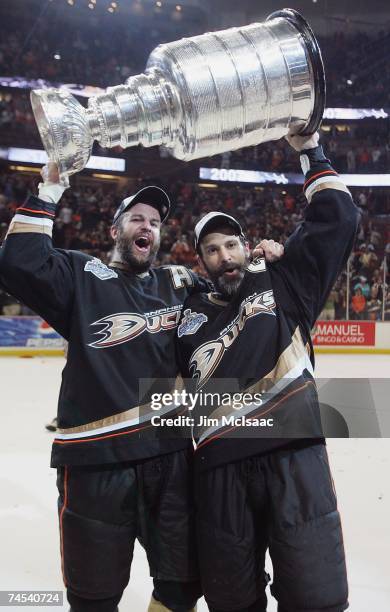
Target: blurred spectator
<point>329,311</point>
<point>358,304</point>
<point>9,307</point>
<point>85,214</point>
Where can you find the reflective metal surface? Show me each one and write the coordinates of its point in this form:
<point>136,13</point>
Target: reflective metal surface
<point>198,96</point>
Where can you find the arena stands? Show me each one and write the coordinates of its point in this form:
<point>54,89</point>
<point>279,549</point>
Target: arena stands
<point>86,211</point>
<point>361,79</point>
<point>361,147</point>
<point>358,76</point>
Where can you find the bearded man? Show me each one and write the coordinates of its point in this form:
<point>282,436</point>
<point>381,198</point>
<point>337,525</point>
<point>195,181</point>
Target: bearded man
<point>263,479</point>
<point>118,477</point>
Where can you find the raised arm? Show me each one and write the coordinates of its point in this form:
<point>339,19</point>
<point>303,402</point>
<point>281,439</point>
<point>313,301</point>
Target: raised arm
<point>30,268</point>
<point>320,246</point>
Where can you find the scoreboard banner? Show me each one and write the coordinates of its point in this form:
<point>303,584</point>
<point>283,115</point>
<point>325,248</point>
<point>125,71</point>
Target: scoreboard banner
<point>258,177</point>
<point>344,333</point>
<point>28,333</point>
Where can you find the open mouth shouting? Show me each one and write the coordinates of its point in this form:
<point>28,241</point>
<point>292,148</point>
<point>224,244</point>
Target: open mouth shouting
<point>231,272</point>
<point>143,244</point>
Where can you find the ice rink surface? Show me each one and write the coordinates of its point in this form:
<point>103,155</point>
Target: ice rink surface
<point>29,538</point>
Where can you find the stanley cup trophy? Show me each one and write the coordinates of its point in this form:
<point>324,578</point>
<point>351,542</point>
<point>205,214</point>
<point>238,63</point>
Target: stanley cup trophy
<point>198,96</point>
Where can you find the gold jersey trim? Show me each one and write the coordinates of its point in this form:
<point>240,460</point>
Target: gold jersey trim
<point>328,185</point>
<point>16,227</point>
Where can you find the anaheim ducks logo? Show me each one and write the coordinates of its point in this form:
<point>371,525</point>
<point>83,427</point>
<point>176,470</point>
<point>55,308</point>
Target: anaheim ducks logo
<point>205,360</point>
<point>125,326</point>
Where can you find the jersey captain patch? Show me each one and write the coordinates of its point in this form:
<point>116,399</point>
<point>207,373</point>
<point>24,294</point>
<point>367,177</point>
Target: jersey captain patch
<point>99,269</point>
<point>191,322</point>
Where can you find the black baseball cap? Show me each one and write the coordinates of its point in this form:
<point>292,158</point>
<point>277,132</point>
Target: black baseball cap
<point>152,195</point>
<point>213,220</point>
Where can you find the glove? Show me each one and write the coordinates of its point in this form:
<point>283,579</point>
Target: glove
<point>53,185</point>
<point>302,143</point>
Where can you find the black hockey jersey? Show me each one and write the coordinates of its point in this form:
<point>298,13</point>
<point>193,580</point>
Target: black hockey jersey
<point>120,328</point>
<point>259,343</point>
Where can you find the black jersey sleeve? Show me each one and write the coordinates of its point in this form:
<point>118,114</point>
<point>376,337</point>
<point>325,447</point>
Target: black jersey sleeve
<point>32,270</point>
<point>319,247</point>
<point>200,284</point>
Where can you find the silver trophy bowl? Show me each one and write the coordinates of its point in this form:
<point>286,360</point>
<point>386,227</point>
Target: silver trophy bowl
<point>198,96</point>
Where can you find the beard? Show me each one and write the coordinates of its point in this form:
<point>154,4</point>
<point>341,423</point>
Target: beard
<point>228,287</point>
<point>138,262</point>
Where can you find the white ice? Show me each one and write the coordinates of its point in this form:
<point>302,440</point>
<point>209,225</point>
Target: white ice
<point>29,541</point>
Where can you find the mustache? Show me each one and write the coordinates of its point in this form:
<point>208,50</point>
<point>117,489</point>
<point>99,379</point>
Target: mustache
<point>228,268</point>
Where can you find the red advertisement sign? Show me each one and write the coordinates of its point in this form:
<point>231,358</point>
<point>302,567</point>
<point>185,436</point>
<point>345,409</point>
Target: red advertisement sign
<point>344,333</point>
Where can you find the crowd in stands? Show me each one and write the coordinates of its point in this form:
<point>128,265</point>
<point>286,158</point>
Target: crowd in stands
<point>95,50</point>
<point>16,117</point>
<point>357,75</point>
<point>354,148</point>
<point>86,210</point>
<point>104,52</point>
<point>357,69</point>
<point>86,57</point>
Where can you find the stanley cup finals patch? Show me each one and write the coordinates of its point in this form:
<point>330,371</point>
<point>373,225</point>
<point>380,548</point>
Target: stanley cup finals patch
<point>191,322</point>
<point>99,269</point>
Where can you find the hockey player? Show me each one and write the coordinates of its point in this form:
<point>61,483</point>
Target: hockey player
<point>263,479</point>
<point>118,477</point>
